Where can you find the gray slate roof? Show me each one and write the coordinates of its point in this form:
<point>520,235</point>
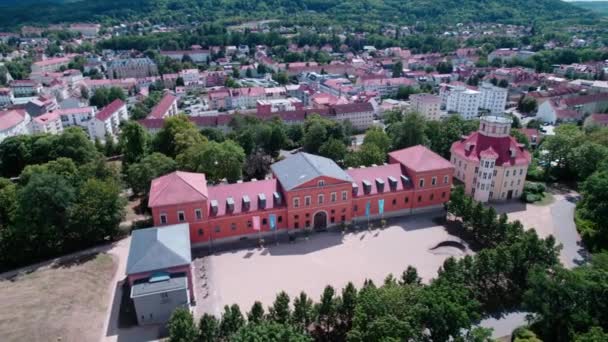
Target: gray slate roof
<point>159,248</point>
<point>303,167</point>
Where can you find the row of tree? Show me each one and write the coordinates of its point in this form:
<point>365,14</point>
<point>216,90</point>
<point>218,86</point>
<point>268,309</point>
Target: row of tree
<point>66,197</point>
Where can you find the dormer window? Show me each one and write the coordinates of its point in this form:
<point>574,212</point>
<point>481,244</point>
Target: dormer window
<point>321,183</point>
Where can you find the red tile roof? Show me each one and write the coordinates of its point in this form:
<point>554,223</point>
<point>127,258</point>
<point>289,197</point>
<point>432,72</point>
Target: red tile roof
<point>599,118</point>
<point>420,159</point>
<point>250,189</point>
<point>501,146</point>
<point>178,188</point>
<point>110,109</point>
<point>579,100</point>
<point>371,173</point>
<point>11,118</point>
<point>162,107</point>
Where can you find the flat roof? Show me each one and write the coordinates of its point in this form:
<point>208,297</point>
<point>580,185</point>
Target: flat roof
<point>173,283</point>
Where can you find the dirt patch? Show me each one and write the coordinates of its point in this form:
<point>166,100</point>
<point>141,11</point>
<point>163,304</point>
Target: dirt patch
<point>62,302</point>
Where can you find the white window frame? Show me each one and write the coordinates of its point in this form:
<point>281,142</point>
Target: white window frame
<point>434,181</point>
<point>198,214</point>
<point>163,218</point>
<point>183,214</point>
<point>333,197</point>
<point>320,199</point>
<point>446,179</point>
<point>296,202</point>
<point>344,195</point>
<point>421,183</point>
<point>307,201</point>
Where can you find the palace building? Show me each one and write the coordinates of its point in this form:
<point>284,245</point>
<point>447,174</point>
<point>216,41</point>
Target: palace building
<point>305,191</point>
<point>490,162</point>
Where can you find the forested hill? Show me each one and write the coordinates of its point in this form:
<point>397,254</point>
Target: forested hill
<point>14,13</point>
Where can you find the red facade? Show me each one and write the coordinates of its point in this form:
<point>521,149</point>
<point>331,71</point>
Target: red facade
<point>415,178</point>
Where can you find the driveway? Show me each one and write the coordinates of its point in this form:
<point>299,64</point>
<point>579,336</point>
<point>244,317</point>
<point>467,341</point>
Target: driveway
<point>555,219</point>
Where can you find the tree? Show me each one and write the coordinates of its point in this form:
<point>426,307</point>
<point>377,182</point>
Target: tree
<point>403,93</point>
<point>181,326</point>
<point>216,160</point>
<point>41,215</point>
<point>314,137</point>
<point>326,310</point>
<point>177,135</point>
<point>410,277</point>
<point>256,314</point>
<point>409,132</point>
<point>527,105</point>
<point>73,143</point>
<point>503,83</point>
<point>8,197</point>
<point>232,321</point>
<point>257,165</point>
<point>269,331</point>
<point>587,158</point>
<point>376,136</point>
<point>595,334</point>
<point>141,174</point>
<point>347,305</point>
<point>444,67</point>
<point>133,142</point>
<point>398,69</point>
<point>333,149</point>
<point>521,138</point>
<point>281,77</point>
<point>279,311</point>
<point>302,311</point>
<point>98,212</point>
<point>209,328</point>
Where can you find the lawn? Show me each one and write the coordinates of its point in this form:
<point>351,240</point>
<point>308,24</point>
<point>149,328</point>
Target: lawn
<point>64,302</point>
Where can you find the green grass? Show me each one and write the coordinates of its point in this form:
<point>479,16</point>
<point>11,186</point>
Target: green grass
<point>547,199</point>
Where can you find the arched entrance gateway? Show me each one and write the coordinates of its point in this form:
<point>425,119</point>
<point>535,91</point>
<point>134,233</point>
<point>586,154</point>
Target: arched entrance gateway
<point>320,220</point>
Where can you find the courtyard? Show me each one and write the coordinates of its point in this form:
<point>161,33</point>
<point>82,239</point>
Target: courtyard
<point>327,258</point>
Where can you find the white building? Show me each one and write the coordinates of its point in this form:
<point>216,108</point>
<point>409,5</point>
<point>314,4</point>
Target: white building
<point>107,121</point>
<point>166,107</point>
<point>360,114</point>
<point>426,104</point>
<point>87,30</point>
<point>80,117</point>
<point>47,123</point>
<point>51,64</point>
<point>493,98</point>
<point>14,122</point>
<point>464,101</point>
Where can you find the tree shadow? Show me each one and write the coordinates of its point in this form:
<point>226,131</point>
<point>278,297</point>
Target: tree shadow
<point>313,243</point>
<point>509,207</point>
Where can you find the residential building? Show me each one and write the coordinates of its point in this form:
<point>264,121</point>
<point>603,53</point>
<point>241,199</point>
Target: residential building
<point>14,122</point>
<point>41,104</point>
<point>87,30</point>
<point>464,101</point>
<point>79,116</point>
<point>493,98</point>
<point>196,56</point>
<point>47,123</point>
<point>25,88</point>
<point>167,106</point>
<point>490,162</point>
<point>386,86</point>
<point>267,107</point>
<point>572,109</point>
<point>360,114</point>
<point>132,68</point>
<point>159,272</point>
<point>6,97</point>
<point>305,191</point>
<point>597,119</point>
<point>51,64</point>
<point>426,104</point>
<point>106,122</point>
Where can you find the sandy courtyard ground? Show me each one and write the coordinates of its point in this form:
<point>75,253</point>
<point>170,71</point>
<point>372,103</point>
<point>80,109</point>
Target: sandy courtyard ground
<point>57,303</point>
<point>244,276</point>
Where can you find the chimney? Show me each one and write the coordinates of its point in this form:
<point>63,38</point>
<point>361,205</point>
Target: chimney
<point>367,187</point>
<point>261,201</point>
<point>229,205</point>
<point>277,199</point>
<point>246,203</point>
<point>392,183</point>
<point>380,184</point>
<point>214,207</point>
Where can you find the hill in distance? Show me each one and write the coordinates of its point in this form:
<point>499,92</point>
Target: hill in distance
<point>436,12</point>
